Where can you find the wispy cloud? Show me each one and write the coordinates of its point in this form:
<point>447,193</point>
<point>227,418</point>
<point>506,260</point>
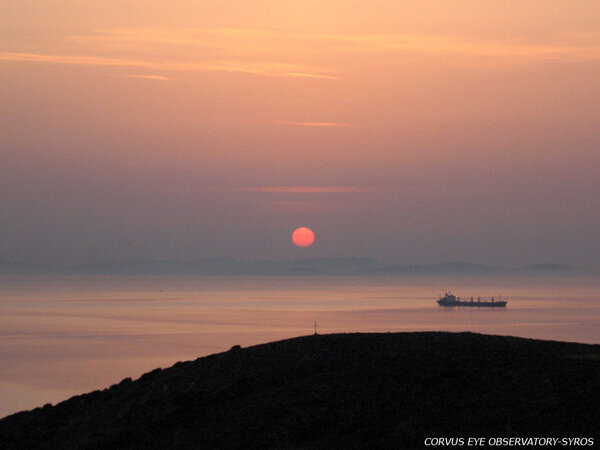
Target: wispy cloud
<point>72,59</point>
<point>265,68</point>
<point>317,124</point>
<point>309,189</point>
<point>273,42</point>
<point>312,75</point>
<point>567,46</point>
<point>146,77</point>
<point>286,54</point>
<point>301,207</point>
<point>249,43</point>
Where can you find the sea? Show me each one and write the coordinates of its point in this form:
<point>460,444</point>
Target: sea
<point>66,335</point>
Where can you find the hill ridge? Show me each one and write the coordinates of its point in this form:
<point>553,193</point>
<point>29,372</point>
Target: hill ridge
<point>351,390</point>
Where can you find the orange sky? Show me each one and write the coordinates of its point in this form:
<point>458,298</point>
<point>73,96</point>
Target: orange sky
<point>407,131</point>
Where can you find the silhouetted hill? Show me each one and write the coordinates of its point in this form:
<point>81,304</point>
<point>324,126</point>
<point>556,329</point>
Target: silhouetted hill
<point>212,266</point>
<point>549,268</point>
<point>335,391</point>
<point>291,267</point>
<point>207,266</point>
<point>11,267</point>
<point>313,266</point>
<point>452,268</point>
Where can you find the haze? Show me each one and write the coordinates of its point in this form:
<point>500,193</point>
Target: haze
<point>412,132</point>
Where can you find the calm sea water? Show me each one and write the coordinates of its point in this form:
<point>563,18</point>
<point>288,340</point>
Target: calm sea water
<point>61,336</point>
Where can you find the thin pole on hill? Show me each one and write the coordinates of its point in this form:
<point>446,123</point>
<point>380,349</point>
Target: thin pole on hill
<point>316,325</point>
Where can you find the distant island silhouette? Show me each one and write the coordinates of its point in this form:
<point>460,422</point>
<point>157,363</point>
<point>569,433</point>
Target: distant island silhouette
<point>383,390</point>
<point>291,267</point>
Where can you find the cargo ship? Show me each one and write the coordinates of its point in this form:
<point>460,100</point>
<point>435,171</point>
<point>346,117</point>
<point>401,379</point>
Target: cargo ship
<point>450,299</point>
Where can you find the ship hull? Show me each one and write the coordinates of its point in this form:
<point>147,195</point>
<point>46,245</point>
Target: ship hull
<point>473,304</point>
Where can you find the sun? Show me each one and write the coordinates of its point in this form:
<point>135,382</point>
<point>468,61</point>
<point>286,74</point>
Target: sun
<point>303,237</point>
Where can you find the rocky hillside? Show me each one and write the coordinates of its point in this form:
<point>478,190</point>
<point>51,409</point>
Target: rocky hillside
<point>334,391</point>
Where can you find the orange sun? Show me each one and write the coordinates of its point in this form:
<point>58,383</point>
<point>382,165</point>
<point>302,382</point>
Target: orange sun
<point>303,237</point>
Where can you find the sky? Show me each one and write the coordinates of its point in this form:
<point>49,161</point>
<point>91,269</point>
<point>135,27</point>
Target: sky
<point>412,132</point>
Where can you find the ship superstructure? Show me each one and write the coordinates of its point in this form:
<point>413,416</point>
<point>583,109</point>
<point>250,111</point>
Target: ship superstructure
<point>449,299</point>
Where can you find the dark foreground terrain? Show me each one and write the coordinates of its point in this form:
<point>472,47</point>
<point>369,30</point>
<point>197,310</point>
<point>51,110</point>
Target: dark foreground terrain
<point>335,391</point>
